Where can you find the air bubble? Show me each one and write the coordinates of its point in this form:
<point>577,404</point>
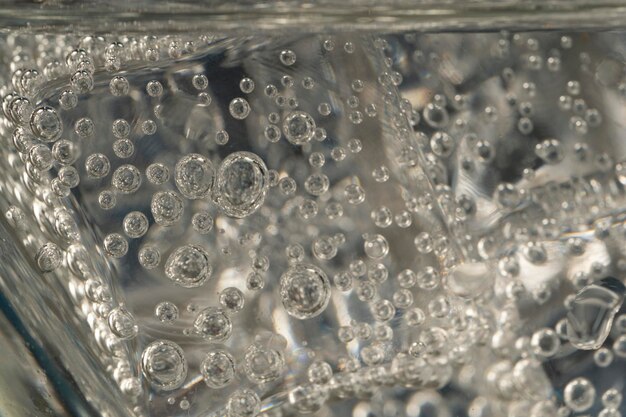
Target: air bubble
<point>166,208</point>
<point>612,398</point>
<point>68,100</point>
<point>49,257</point>
<point>68,175</point>
<point>317,159</point>
<point>46,124</point>
<point>115,245</point>
<point>194,176</point>
<point>97,165</point>
<point>603,357</point>
<point>84,127</point>
<point>263,364</point>
<point>41,157</point>
<point>270,90</point>
<point>202,222</point>
<point>149,257</point>
<point>442,144</point>
<point>166,312</point>
<point>324,248</point>
<point>232,299</point>
<point>287,57</point>
<point>287,81</point>
<point>122,323</point>
<point>298,127</point>
<point>59,189</point>
<point>120,128</point>
<point>204,99</point>
<point>383,310</point>
<point>81,82</point>
<point>287,186</point>
<point>545,342</point>
<point>221,137</point>
<point>579,394</point>
<point>428,278</point>
<point>154,88</point>
<point>135,224</point>
<point>119,86</point>
<point>324,109</point>
<point>107,200</point>
<point>246,85</point>
<point>509,197</point>
<point>304,291</point>
<point>272,133</point>
<point>149,127</point>
<point>243,403</point>
<point>15,217</point>
<point>126,179</point>
<point>436,116</point>
<point>354,194</point>
<point>319,372</point>
<point>415,317</point>
<point>239,108</point>
<point>157,173</point>
<point>218,369</point>
<point>375,246</point>
<point>213,324</point>
<point>241,185</point>
<point>200,82</point>
<point>255,281</point>
<point>164,365</point>
<point>316,184</point>
<point>355,145</point>
<point>123,148</point>
<point>188,266</point>
<point>308,83</point>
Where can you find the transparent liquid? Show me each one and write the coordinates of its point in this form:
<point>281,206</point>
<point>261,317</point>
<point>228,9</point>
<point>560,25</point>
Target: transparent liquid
<point>345,224</point>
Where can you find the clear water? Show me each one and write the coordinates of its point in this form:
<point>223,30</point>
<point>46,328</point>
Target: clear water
<point>339,223</point>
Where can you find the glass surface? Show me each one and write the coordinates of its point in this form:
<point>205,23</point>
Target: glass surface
<point>359,209</point>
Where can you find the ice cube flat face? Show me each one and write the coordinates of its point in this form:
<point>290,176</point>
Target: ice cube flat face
<point>524,130</point>
<point>236,214</point>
